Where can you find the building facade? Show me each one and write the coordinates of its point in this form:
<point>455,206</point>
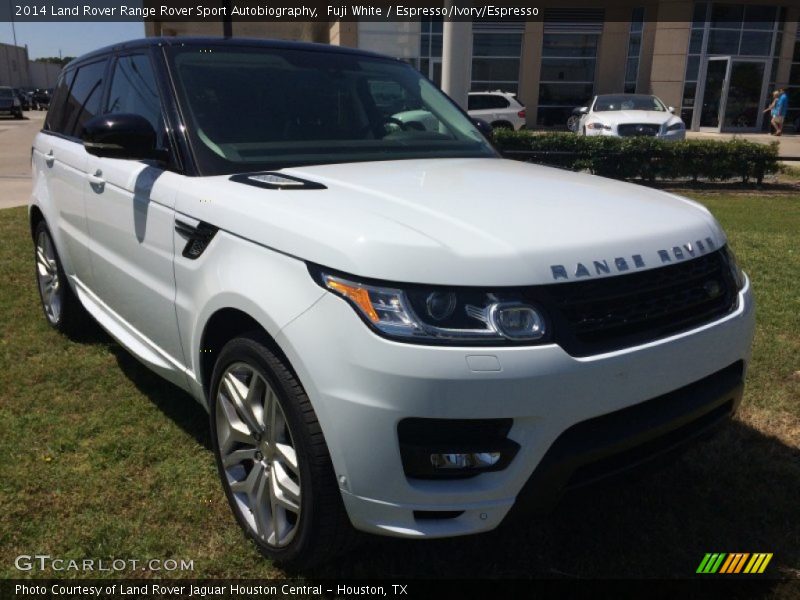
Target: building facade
<point>714,62</point>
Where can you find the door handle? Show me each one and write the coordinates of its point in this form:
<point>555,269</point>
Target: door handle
<point>97,182</point>
<point>49,159</point>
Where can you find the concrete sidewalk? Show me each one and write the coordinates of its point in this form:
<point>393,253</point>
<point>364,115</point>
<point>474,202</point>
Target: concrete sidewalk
<point>788,143</point>
<point>16,139</point>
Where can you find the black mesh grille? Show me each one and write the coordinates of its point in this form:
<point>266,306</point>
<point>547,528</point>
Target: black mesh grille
<point>630,129</point>
<point>601,315</point>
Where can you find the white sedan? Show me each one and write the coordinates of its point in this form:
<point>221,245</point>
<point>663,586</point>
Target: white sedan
<point>626,115</point>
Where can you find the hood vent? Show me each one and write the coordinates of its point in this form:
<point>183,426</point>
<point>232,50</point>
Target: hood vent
<point>277,181</point>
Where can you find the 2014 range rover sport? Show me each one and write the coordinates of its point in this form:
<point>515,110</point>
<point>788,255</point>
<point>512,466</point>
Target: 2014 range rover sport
<point>393,329</point>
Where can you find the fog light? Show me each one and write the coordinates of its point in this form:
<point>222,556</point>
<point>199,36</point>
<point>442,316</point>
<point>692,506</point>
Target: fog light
<point>465,460</point>
<point>517,321</point>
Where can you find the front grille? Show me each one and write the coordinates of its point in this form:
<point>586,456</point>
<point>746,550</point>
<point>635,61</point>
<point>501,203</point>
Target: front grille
<point>631,129</point>
<point>602,315</point>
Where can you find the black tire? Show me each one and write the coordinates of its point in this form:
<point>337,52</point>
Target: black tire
<point>323,529</point>
<point>72,316</point>
<point>18,114</point>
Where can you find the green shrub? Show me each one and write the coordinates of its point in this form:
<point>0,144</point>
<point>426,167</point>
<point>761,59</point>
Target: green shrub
<point>643,157</point>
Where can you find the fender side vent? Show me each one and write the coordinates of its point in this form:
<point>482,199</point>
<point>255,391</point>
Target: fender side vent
<point>198,237</point>
<point>276,181</point>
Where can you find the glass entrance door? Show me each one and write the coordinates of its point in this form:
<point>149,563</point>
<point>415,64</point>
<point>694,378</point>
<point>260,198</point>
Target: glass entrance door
<point>435,73</point>
<point>745,95</point>
<point>713,93</point>
<point>733,96</point>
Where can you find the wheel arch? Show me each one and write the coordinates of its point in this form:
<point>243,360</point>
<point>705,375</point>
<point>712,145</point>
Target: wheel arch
<point>502,124</point>
<point>35,216</point>
<point>223,325</point>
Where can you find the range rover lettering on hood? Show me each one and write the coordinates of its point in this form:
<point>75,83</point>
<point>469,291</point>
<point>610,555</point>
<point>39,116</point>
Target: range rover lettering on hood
<point>621,264</point>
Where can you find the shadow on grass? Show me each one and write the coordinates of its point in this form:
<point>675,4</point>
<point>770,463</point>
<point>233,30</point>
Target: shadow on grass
<point>735,492</point>
<point>175,403</point>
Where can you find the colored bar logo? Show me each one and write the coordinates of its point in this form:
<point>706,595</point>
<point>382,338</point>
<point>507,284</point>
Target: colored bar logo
<point>736,562</point>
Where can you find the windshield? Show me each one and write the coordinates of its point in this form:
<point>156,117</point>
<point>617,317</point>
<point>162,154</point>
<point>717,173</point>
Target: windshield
<point>628,102</point>
<point>5,93</point>
<point>250,108</point>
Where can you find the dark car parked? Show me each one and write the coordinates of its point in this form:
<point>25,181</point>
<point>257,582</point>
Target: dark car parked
<point>24,98</point>
<point>41,99</point>
<point>9,103</point>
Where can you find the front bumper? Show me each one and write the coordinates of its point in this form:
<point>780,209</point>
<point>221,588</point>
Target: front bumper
<point>362,386</point>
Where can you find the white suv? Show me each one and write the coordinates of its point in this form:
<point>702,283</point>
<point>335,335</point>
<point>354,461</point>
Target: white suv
<point>393,329</point>
<point>502,110</point>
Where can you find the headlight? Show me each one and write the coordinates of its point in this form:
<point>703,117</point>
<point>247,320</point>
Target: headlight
<point>597,125</point>
<point>675,126</point>
<point>736,271</point>
<point>424,314</point>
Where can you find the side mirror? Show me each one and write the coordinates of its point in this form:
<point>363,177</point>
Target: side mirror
<point>583,110</point>
<point>484,128</point>
<point>671,109</point>
<point>123,135</point>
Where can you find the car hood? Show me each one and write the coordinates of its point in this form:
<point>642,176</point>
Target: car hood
<point>618,117</point>
<point>490,222</point>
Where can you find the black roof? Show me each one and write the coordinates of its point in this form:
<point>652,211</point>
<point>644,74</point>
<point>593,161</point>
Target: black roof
<point>217,41</point>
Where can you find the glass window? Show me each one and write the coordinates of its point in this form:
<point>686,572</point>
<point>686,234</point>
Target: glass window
<point>756,43</point>
<point>570,44</point>
<point>56,112</point>
<point>631,69</point>
<point>696,41</point>
<point>495,69</point>
<point>134,90</point>
<point>571,69</point>
<point>726,15</point>
<point>565,94</point>
<point>692,68</point>
<point>637,19</point>
<point>760,17</point>
<point>83,102</point>
<point>700,10</point>
<point>794,74</point>
<point>723,41</point>
<point>610,102</point>
<point>311,108</point>
<point>689,92</point>
<point>487,86</point>
<point>497,44</point>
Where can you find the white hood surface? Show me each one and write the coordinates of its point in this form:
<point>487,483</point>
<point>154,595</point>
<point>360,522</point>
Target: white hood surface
<point>619,117</point>
<point>476,222</point>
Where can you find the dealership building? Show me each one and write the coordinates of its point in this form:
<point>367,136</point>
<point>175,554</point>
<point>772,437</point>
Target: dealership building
<point>715,62</point>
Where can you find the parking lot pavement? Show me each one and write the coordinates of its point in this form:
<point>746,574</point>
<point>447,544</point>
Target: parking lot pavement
<point>16,138</point>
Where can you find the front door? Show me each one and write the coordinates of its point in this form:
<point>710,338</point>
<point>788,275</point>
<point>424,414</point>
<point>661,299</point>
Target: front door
<point>131,220</point>
<point>713,97</point>
<point>745,95</point>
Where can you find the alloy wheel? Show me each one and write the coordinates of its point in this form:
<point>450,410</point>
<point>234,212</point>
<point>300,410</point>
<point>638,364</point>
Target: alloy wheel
<point>258,455</point>
<point>47,276</point>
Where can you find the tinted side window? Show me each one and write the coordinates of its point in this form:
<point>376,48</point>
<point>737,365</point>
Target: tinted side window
<point>56,112</point>
<point>476,102</point>
<point>84,98</point>
<point>497,102</point>
<point>134,90</point>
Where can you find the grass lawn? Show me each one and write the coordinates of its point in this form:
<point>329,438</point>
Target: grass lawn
<point>102,459</point>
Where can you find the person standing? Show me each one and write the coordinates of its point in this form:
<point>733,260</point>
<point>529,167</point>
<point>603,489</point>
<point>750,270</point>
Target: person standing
<point>771,110</point>
<point>781,108</point>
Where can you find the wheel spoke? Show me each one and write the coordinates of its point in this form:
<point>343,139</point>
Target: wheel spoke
<point>238,394</point>
<point>238,456</point>
<point>230,429</point>
<point>260,501</point>
<point>248,484</point>
<point>288,457</point>
<point>285,491</point>
<point>270,415</point>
